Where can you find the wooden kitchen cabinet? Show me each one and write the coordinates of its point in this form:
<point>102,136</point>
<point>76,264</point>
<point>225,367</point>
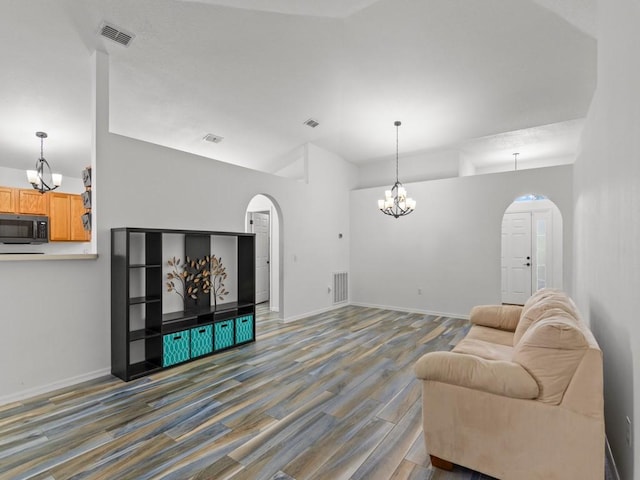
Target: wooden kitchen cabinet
<point>7,200</point>
<point>63,209</point>
<point>31,202</point>
<point>65,223</point>
<point>59,215</point>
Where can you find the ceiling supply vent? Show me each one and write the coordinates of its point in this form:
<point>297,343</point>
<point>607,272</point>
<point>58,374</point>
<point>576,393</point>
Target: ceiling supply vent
<point>312,123</point>
<point>210,137</point>
<point>116,34</point>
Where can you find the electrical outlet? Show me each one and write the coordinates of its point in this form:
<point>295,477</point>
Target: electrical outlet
<point>628,432</point>
<point>419,291</point>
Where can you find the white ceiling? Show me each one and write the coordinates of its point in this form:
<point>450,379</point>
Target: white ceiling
<point>451,70</point>
<point>312,8</point>
<point>582,14</point>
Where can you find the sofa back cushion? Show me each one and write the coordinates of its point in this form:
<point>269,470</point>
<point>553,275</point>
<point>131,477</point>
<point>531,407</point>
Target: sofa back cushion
<point>540,295</point>
<point>538,305</point>
<point>551,350</point>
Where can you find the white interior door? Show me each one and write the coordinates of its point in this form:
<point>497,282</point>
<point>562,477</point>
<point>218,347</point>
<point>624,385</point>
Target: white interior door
<point>261,229</point>
<point>516,258</point>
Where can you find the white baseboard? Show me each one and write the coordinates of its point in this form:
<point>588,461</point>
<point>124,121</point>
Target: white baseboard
<point>315,312</point>
<point>67,382</point>
<point>412,310</point>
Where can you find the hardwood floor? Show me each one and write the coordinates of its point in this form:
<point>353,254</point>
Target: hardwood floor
<point>332,396</point>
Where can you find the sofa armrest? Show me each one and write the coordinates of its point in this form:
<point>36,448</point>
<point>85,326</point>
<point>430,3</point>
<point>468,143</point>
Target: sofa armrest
<point>503,317</point>
<point>503,378</point>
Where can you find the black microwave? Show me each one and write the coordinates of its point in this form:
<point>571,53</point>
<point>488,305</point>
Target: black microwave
<point>23,229</point>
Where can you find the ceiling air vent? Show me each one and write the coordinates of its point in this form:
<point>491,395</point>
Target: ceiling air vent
<point>210,137</point>
<point>312,123</point>
<point>116,34</point>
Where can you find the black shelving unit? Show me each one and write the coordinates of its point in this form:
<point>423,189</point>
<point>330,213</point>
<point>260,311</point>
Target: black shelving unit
<point>143,338</point>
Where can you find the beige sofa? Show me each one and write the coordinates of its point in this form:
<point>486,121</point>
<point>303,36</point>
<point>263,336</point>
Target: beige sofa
<point>520,397</point>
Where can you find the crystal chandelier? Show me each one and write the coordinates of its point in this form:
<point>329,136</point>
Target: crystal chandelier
<point>37,177</point>
<point>396,203</point>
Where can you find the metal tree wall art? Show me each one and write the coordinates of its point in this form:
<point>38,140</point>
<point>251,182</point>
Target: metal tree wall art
<point>188,278</point>
<point>218,274</point>
<point>194,276</point>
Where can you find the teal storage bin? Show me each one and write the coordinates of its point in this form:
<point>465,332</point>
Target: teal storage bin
<point>201,341</point>
<point>223,335</point>
<point>175,348</point>
<point>244,329</point>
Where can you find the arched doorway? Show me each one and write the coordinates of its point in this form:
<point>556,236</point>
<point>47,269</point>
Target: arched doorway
<point>263,219</point>
<point>531,256</point>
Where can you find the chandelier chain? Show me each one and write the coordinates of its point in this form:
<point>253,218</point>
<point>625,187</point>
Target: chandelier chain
<point>397,124</point>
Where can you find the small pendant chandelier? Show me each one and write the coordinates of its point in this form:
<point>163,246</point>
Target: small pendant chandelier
<point>395,201</point>
<point>37,177</point>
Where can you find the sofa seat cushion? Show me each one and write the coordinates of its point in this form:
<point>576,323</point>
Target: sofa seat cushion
<point>484,349</point>
<point>550,351</point>
<point>492,335</point>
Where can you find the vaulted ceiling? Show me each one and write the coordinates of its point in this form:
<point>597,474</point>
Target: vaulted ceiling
<point>253,71</point>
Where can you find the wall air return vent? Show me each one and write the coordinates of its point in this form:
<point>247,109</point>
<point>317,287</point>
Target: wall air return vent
<point>210,137</point>
<point>340,287</point>
<point>116,34</point>
<point>312,123</point>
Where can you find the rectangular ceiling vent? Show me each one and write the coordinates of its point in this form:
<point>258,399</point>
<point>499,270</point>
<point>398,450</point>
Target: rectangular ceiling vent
<point>210,137</point>
<point>312,123</point>
<point>116,34</point>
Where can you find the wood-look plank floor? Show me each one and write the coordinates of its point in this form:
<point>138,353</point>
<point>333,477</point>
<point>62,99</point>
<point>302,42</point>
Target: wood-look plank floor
<point>332,396</point>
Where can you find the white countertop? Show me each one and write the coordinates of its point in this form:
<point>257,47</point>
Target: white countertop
<point>12,257</point>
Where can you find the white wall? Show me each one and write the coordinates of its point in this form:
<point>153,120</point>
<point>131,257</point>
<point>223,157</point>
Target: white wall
<point>607,223</point>
<point>466,166</point>
<point>450,246</point>
<point>56,314</point>
<point>293,165</point>
<point>16,178</point>
<point>318,223</point>
<point>538,163</point>
<point>413,167</point>
<point>217,197</point>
